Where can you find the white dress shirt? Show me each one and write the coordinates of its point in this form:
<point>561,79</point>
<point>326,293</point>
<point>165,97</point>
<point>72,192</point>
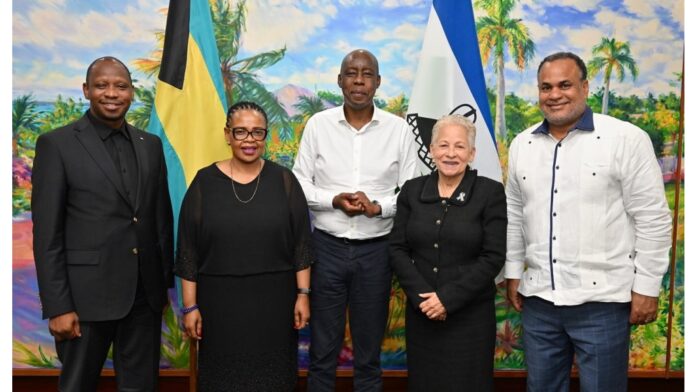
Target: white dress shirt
<point>334,157</point>
<point>587,215</point>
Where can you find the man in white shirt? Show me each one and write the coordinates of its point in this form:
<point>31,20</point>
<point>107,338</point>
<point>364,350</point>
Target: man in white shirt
<point>351,161</point>
<point>587,217</point>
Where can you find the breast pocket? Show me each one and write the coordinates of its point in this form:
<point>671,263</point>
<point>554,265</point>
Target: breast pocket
<point>594,179</point>
<point>595,190</point>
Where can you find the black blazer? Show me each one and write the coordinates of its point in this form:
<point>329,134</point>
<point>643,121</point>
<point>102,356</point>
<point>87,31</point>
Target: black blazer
<point>454,247</point>
<point>90,242</point>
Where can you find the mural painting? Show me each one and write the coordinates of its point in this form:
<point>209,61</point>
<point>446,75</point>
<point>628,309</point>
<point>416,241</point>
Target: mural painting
<point>285,55</point>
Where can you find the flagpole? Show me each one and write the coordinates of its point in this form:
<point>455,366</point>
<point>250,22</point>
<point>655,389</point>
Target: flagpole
<point>677,177</point>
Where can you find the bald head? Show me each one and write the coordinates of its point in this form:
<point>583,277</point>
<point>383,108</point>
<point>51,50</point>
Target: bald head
<point>360,53</point>
<point>110,59</point>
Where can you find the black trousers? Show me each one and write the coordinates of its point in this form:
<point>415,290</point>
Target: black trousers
<point>355,275</point>
<point>136,351</point>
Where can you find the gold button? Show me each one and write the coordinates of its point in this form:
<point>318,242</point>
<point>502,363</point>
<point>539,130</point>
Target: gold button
<point>437,222</point>
<point>435,269</point>
<point>135,251</point>
<point>436,245</point>
<point>135,219</point>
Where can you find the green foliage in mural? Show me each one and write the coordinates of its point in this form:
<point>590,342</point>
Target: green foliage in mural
<point>175,343</point>
<point>37,360</point>
<point>140,116</point>
<point>330,96</point>
<point>611,57</point>
<point>500,33</point>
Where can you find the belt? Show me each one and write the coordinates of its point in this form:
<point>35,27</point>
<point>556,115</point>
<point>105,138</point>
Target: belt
<point>351,241</point>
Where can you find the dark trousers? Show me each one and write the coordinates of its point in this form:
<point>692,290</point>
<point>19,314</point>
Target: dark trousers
<point>356,276</point>
<point>596,333</point>
<point>136,351</point>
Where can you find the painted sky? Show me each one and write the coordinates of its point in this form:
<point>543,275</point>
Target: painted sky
<point>54,40</point>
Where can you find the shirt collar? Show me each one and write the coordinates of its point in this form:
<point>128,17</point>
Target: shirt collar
<point>105,131</point>
<point>377,115</point>
<point>460,196</point>
<point>585,123</point>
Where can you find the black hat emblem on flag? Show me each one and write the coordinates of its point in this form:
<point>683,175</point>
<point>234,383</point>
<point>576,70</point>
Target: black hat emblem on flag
<point>422,128</point>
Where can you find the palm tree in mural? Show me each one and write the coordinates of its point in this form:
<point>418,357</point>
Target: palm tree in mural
<point>497,31</point>
<point>240,76</point>
<point>397,105</point>
<point>308,106</point>
<point>611,56</point>
<point>140,117</point>
<point>24,118</point>
<point>64,112</point>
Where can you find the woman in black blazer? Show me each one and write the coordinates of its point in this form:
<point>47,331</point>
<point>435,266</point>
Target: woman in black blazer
<point>446,247</point>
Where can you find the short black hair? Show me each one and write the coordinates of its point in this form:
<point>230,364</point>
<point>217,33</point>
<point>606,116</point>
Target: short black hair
<point>246,105</point>
<point>565,55</point>
<point>100,59</point>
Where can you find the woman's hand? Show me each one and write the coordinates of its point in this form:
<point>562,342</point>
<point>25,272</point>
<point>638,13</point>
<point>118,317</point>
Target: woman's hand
<point>193,324</point>
<point>432,307</point>
<point>301,311</point>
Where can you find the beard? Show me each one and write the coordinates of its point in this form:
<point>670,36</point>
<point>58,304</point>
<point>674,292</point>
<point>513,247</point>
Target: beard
<point>564,118</point>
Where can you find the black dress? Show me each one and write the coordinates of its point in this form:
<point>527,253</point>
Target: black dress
<point>244,258</point>
<point>454,247</point>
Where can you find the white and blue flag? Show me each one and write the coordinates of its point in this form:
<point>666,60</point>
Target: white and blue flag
<point>449,80</point>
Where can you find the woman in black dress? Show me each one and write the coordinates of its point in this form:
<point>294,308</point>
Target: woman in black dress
<point>243,256</point>
<point>446,247</point>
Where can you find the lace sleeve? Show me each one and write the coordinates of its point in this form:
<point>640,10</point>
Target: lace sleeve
<point>304,255</point>
<point>186,265</point>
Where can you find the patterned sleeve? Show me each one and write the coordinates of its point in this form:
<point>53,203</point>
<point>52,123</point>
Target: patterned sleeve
<point>303,255</point>
<point>187,261</point>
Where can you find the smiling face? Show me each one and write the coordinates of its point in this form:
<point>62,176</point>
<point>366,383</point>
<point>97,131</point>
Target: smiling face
<point>562,93</point>
<point>109,91</point>
<point>452,150</point>
<point>248,149</point>
<point>359,79</point>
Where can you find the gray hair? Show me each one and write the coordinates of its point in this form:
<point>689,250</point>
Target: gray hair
<point>459,120</point>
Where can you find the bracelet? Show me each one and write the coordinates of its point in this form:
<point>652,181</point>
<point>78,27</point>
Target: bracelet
<point>303,290</point>
<point>189,309</point>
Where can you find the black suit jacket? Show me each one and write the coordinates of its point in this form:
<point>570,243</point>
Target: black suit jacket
<point>90,242</point>
<point>454,247</point>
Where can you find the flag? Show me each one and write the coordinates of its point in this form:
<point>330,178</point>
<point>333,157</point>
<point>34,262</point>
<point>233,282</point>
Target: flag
<point>449,80</point>
<point>190,108</point>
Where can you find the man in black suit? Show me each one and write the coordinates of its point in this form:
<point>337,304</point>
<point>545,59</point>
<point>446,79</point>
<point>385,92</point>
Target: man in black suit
<point>103,237</point>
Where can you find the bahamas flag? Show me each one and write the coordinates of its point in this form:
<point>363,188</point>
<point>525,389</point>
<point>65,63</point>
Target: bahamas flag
<point>190,107</point>
<point>449,80</point>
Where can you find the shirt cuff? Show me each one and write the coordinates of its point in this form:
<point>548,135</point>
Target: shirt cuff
<point>325,199</point>
<point>646,285</point>
<point>388,205</point>
<point>513,270</point>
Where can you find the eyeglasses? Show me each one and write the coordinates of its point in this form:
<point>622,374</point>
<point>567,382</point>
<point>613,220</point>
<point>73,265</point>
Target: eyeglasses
<point>243,133</point>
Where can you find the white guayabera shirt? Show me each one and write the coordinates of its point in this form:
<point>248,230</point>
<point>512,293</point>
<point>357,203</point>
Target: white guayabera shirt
<point>587,215</point>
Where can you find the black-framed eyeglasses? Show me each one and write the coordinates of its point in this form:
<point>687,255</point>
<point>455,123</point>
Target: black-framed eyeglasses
<point>239,133</point>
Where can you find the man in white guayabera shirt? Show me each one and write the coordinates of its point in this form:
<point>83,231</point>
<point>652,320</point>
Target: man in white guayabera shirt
<point>587,217</point>
<point>351,161</point>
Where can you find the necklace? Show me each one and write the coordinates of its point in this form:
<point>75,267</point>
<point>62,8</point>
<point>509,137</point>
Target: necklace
<point>258,181</point>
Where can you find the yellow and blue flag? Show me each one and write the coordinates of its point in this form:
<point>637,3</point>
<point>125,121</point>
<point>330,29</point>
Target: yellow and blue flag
<point>190,108</point>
